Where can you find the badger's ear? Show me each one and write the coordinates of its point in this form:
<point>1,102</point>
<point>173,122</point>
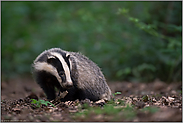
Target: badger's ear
<point>67,56</point>
<point>69,60</point>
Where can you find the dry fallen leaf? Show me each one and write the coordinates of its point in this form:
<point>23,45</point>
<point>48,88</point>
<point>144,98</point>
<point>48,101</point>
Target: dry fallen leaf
<point>171,99</point>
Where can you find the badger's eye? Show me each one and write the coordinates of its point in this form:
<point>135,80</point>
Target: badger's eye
<point>61,73</point>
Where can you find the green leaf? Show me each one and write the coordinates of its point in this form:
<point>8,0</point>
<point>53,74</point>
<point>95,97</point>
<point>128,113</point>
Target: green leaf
<point>117,93</point>
<point>34,101</point>
<point>51,104</point>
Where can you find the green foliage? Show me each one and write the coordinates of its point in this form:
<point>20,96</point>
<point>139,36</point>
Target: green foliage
<point>140,43</point>
<point>168,56</point>
<point>41,102</point>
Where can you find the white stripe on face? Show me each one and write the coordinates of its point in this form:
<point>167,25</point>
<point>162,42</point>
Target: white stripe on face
<point>48,68</point>
<point>65,67</point>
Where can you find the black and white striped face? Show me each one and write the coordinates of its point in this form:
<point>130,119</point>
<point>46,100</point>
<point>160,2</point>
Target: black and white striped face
<point>56,63</point>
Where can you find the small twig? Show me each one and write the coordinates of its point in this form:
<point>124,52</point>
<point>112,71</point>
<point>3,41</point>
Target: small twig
<point>61,95</point>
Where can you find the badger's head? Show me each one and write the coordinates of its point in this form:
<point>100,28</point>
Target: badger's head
<point>56,63</point>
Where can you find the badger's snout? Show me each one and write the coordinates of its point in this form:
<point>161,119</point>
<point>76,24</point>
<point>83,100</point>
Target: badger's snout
<point>67,85</point>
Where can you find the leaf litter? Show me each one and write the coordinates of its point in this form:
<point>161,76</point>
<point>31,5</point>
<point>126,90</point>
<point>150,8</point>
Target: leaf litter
<point>155,101</point>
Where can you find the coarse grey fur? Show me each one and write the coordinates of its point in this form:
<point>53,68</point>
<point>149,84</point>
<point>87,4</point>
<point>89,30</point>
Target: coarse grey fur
<point>87,78</point>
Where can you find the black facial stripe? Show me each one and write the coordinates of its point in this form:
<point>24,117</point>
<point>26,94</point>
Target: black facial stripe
<point>64,56</point>
<point>62,75</point>
<point>58,65</point>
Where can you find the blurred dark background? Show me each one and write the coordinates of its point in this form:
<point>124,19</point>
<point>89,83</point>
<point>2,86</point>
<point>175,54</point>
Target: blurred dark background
<point>130,41</point>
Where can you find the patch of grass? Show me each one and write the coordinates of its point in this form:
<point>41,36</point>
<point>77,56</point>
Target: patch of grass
<point>116,102</point>
<point>112,111</point>
<point>107,110</point>
<point>129,112</point>
<point>41,102</point>
<point>150,109</point>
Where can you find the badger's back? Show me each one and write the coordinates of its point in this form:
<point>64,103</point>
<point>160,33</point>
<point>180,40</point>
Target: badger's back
<point>89,77</point>
<point>88,80</point>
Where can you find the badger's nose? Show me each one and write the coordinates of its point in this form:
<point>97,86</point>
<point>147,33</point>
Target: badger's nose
<point>69,85</point>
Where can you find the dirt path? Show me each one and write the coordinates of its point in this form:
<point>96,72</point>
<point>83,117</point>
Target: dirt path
<point>156,101</point>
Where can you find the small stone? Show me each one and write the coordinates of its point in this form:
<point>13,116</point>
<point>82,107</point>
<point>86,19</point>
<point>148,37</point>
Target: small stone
<point>173,92</point>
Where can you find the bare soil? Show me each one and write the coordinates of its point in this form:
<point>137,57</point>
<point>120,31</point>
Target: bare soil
<point>16,103</point>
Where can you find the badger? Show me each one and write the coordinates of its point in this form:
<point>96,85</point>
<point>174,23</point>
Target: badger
<point>57,69</point>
